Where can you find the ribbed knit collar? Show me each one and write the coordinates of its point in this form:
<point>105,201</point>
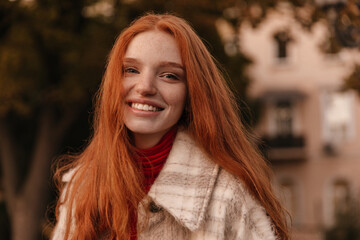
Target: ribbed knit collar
<point>153,159</point>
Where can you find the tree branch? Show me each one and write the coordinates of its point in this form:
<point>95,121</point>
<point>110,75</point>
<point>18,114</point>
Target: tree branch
<point>50,133</point>
<point>45,145</point>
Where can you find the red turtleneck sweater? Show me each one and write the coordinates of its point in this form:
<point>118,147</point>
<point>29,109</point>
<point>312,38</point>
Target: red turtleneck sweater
<point>152,161</point>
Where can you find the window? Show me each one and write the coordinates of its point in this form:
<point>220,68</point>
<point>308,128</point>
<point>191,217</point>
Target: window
<point>338,119</point>
<point>287,188</point>
<point>341,196</point>
<point>337,201</point>
<point>284,118</point>
<point>282,39</point>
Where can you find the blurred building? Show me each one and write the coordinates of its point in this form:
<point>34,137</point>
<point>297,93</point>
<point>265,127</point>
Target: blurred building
<point>310,128</point>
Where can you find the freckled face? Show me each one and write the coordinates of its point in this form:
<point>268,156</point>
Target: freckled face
<point>155,86</point>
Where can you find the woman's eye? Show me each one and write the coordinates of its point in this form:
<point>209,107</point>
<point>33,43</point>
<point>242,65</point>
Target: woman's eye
<point>170,76</point>
<point>130,70</point>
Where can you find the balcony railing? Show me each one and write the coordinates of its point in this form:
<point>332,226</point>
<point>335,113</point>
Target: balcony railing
<point>281,149</point>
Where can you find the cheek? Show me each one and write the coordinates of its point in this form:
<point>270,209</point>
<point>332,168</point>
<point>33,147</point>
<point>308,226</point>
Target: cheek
<point>125,87</point>
<point>179,98</point>
<point>184,95</point>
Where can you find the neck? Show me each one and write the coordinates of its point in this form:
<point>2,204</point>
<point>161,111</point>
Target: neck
<point>144,141</point>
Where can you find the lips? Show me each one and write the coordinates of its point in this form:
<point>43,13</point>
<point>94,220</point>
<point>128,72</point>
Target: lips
<point>145,107</point>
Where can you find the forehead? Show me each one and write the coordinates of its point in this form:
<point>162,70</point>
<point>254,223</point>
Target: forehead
<point>154,45</point>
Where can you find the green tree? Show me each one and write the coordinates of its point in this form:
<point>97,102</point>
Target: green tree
<point>51,61</point>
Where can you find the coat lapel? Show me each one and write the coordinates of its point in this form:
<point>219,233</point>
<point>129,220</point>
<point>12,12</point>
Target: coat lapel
<point>185,184</point>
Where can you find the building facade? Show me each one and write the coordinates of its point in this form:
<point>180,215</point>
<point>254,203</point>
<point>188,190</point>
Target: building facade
<point>309,127</point>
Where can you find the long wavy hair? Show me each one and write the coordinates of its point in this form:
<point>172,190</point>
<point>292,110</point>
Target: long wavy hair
<point>106,185</point>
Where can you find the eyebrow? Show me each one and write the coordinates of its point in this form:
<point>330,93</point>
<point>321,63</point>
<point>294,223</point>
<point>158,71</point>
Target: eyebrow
<point>162,64</point>
<point>171,64</point>
<point>131,60</point>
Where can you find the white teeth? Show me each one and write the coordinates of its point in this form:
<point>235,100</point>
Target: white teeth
<point>144,107</point>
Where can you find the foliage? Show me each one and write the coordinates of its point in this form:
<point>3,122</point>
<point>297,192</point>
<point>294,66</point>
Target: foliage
<point>51,62</point>
<point>50,54</point>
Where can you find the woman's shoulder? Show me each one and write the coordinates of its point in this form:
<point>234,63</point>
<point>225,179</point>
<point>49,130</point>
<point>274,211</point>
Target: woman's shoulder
<point>227,186</point>
<point>241,210</point>
<point>232,190</point>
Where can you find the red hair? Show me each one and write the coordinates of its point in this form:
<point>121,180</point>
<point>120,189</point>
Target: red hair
<point>107,186</point>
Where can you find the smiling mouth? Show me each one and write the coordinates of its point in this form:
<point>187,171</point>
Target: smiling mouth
<point>145,107</point>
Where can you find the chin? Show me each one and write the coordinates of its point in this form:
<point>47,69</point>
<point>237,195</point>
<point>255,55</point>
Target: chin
<point>145,131</point>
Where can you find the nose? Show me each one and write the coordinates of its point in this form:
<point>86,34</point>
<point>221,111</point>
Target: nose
<point>146,84</point>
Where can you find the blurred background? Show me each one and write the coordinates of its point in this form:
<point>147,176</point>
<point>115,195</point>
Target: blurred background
<point>293,65</point>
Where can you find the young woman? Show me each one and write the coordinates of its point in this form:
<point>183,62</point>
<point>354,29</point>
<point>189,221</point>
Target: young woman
<point>169,158</point>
